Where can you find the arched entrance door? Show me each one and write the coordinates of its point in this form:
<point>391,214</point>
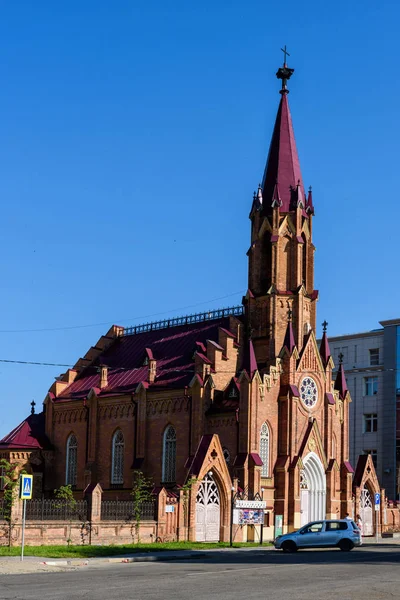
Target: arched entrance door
<point>366,512</point>
<point>312,489</point>
<point>208,510</point>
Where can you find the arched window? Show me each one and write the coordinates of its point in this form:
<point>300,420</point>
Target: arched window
<point>117,459</point>
<point>169,455</point>
<point>72,460</point>
<point>264,450</point>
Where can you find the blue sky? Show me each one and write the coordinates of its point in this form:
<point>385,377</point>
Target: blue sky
<point>132,136</point>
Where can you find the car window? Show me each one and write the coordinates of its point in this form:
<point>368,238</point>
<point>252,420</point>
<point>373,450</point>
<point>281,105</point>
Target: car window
<point>313,528</point>
<point>336,526</point>
<point>354,526</point>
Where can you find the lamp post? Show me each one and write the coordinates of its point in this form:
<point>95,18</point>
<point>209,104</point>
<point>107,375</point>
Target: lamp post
<point>232,508</point>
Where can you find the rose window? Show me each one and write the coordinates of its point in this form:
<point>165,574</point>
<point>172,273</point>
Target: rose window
<point>308,392</point>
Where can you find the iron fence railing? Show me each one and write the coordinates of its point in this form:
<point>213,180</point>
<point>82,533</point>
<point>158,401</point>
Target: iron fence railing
<point>2,508</point>
<point>56,510</point>
<point>186,320</point>
<point>123,510</point>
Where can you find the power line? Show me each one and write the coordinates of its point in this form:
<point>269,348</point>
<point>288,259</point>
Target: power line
<point>127,320</point>
<point>31,362</point>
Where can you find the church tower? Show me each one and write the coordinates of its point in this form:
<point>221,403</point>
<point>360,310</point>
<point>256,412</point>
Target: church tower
<point>281,254</point>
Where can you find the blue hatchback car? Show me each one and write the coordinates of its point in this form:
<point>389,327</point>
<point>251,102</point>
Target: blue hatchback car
<point>340,533</point>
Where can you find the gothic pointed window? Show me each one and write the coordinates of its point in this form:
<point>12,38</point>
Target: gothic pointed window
<point>117,460</point>
<point>169,455</point>
<point>72,460</point>
<point>264,450</point>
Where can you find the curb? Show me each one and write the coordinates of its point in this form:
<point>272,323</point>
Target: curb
<point>157,557</point>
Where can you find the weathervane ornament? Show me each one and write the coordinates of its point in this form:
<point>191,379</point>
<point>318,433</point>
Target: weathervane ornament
<point>284,73</point>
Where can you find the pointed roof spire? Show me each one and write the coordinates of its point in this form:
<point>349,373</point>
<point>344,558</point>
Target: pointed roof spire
<point>283,166</point>
<point>309,202</point>
<point>341,383</point>
<point>324,350</point>
<point>289,341</point>
<point>250,362</point>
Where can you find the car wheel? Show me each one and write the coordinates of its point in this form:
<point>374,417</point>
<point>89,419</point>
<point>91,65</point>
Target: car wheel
<point>289,547</point>
<point>346,545</point>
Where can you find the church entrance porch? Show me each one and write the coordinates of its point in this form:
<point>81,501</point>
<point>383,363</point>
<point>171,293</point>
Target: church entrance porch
<point>208,510</point>
<point>312,490</point>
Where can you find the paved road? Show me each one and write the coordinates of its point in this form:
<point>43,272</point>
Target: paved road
<point>365,574</point>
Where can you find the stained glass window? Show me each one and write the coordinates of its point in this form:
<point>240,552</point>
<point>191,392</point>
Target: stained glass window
<point>117,464</point>
<point>264,450</point>
<point>169,455</point>
<point>72,460</point>
<point>309,392</point>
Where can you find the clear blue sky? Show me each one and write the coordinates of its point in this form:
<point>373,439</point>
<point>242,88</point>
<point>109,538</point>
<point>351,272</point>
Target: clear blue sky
<point>132,135</point>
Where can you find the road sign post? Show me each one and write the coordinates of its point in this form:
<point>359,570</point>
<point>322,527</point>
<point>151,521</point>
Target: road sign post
<point>25,493</point>
<point>377,507</point>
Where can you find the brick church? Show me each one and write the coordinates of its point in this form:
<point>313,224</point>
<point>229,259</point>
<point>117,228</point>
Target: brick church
<point>238,398</point>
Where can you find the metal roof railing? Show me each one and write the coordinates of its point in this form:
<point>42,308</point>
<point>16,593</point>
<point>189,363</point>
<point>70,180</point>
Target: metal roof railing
<point>209,315</point>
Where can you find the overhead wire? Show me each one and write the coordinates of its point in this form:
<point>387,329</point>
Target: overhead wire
<point>127,320</point>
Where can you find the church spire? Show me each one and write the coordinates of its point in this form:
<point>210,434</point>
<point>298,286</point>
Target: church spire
<point>340,383</point>
<point>283,166</point>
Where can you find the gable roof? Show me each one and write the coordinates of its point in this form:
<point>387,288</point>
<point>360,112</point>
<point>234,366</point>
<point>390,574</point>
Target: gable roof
<point>172,347</point>
<point>28,435</point>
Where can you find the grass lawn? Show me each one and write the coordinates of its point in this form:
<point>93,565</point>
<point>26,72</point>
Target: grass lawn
<point>99,551</point>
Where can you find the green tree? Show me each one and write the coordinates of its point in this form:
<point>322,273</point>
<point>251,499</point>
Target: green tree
<point>65,495</point>
<point>187,488</point>
<point>141,493</point>
<point>10,478</point>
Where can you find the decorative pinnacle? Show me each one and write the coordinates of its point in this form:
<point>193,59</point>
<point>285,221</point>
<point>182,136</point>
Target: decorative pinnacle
<point>284,73</point>
<point>341,356</point>
<point>33,404</point>
<point>324,325</point>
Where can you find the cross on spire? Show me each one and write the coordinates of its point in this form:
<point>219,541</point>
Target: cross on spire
<point>324,326</point>
<point>33,404</point>
<point>285,53</point>
<point>341,356</point>
<point>284,73</point>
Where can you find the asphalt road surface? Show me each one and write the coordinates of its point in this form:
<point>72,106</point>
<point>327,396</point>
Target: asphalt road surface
<point>369,573</point>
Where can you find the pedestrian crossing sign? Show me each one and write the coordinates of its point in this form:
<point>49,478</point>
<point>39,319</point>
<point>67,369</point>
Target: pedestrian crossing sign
<point>25,487</point>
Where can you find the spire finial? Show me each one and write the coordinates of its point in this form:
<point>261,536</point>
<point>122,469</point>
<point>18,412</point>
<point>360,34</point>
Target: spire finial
<point>33,404</point>
<point>341,356</point>
<point>284,72</point>
<point>324,326</point>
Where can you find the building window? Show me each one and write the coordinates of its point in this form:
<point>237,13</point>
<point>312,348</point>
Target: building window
<point>343,350</point>
<point>370,422</point>
<point>169,455</point>
<point>264,450</point>
<point>117,460</point>
<point>227,455</point>
<point>374,456</point>
<point>370,386</point>
<point>232,392</point>
<point>72,460</point>
<point>374,357</point>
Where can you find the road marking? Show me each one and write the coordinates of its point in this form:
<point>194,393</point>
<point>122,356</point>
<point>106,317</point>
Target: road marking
<point>258,567</point>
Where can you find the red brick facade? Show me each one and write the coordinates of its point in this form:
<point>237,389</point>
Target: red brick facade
<point>219,382</point>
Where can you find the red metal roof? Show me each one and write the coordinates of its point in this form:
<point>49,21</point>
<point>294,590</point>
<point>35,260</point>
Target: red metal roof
<point>28,435</point>
<point>324,350</point>
<point>282,172</point>
<point>341,383</point>
<point>173,349</point>
<point>289,341</point>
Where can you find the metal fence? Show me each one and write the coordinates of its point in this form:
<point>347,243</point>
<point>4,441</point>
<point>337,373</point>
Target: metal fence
<point>2,508</point>
<point>56,510</point>
<point>123,510</point>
